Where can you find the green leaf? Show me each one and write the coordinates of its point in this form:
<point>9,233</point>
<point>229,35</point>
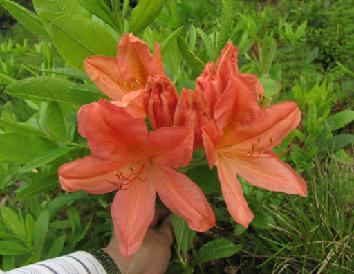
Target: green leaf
<point>270,86</point>
<point>40,231</point>
<point>14,147</point>
<point>208,44</point>
<point>57,247</point>
<point>55,121</point>
<point>337,142</point>
<point>25,17</point>
<point>193,61</point>
<point>169,39</point>
<point>45,158</point>
<point>5,79</point>
<point>206,178</point>
<point>216,249</point>
<point>73,32</point>
<point>12,248</point>
<point>184,236</point>
<point>340,119</point>
<point>51,89</point>
<point>36,186</point>
<point>8,262</point>
<point>144,14</point>
<point>262,220</point>
<point>13,222</point>
<point>20,127</point>
<point>70,72</point>
<point>99,8</point>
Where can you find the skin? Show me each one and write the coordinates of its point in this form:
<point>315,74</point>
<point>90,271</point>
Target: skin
<point>154,254</point>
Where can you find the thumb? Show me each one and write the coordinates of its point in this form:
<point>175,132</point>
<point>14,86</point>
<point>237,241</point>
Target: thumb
<point>165,231</point>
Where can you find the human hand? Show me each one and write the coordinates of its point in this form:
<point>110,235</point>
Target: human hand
<point>154,254</point>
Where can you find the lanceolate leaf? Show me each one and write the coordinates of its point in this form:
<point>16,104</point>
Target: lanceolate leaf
<point>55,121</point>
<point>50,89</point>
<point>37,185</point>
<point>144,13</point>
<point>13,222</point>
<point>340,119</point>
<point>40,231</point>
<point>191,58</point>
<point>12,248</point>
<point>184,236</point>
<point>73,32</point>
<point>25,17</point>
<point>21,148</point>
<point>216,249</point>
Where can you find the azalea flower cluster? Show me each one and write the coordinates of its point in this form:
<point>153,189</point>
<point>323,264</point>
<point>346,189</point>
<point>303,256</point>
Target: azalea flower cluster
<point>222,116</point>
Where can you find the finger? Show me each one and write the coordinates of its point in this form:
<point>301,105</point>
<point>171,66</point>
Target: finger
<point>160,214</point>
<point>166,232</point>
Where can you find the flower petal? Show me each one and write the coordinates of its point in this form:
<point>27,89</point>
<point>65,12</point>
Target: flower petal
<point>211,136</point>
<point>232,192</point>
<point>112,132</point>
<point>105,73</point>
<point>183,197</point>
<point>227,64</point>
<point>90,174</point>
<point>136,62</point>
<point>171,146</point>
<point>133,103</point>
<point>132,213</point>
<point>268,131</point>
<point>267,171</point>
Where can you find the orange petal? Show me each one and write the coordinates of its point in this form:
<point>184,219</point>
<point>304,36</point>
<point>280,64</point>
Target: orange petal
<point>133,103</point>
<point>105,73</point>
<point>183,197</point>
<point>112,132</point>
<point>274,124</point>
<point>192,111</point>
<point>252,82</point>
<point>232,192</point>
<point>171,146</point>
<point>132,213</point>
<point>227,64</point>
<point>211,136</point>
<point>267,171</point>
<point>91,174</point>
<point>160,100</point>
<point>136,62</point>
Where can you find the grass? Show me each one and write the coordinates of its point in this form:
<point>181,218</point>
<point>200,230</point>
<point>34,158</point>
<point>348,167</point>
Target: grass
<point>313,235</point>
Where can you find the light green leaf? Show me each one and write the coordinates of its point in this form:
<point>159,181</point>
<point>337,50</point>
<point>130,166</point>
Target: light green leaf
<point>184,236</point>
<point>57,247</point>
<point>20,127</point>
<point>55,121</point>
<point>144,14</point>
<point>99,8</point>
<point>40,231</point>
<point>25,17</point>
<point>50,89</point>
<point>70,72</point>
<point>270,86</point>
<point>36,186</point>
<point>340,119</point>
<point>73,32</point>
<point>216,249</point>
<point>5,79</point>
<point>12,248</point>
<point>169,39</point>
<point>191,58</point>
<point>13,222</point>
<point>14,147</point>
<point>45,158</point>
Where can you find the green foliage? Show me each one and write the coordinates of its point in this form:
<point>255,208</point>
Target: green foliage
<point>301,52</point>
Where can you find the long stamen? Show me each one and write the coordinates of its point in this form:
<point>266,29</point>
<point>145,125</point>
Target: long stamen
<point>125,181</point>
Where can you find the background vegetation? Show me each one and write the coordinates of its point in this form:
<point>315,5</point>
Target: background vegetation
<point>301,50</point>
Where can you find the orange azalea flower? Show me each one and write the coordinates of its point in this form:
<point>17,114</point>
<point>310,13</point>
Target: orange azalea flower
<point>240,137</point>
<point>123,78</point>
<point>136,163</point>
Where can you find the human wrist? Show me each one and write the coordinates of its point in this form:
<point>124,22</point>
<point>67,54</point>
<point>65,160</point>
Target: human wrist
<point>107,259</point>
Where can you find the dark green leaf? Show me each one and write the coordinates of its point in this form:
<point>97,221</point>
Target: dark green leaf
<point>216,249</point>
<point>25,17</point>
<point>13,222</point>
<point>144,14</point>
<point>193,61</point>
<point>206,178</point>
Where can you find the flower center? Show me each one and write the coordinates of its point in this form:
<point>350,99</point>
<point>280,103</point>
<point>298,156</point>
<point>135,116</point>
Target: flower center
<point>127,176</point>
